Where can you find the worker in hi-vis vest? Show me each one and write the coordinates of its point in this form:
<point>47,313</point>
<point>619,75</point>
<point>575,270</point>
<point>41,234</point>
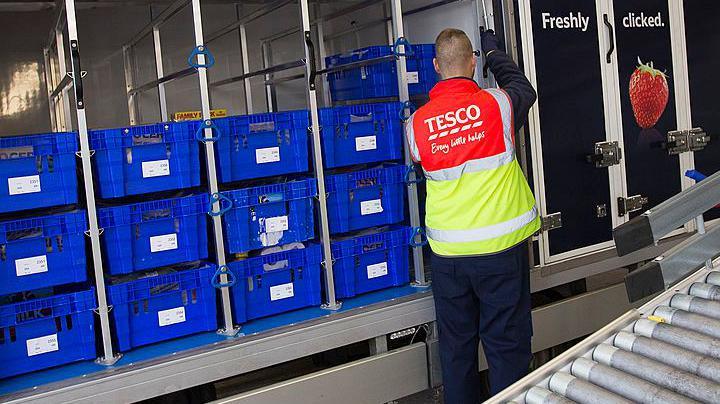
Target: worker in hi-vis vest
<point>480,213</point>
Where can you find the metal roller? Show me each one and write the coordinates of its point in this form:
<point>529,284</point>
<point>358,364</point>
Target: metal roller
<point>581,391</point>
<point>697,305</point>
<point>694,341</point>
<point>690,321</point>
<point>705,290</point>
<point>538,395</point>
<point>713,278</point>
<point>668,354</point>
<point>657,373</point>
<point>631,387</point>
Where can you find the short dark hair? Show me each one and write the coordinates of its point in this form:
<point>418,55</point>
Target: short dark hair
<point>453,49</point>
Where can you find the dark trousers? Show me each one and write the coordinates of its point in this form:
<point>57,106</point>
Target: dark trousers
<point>482,299</point>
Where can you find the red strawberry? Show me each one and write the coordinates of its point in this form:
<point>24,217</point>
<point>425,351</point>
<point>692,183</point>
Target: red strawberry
<point>649,94</point>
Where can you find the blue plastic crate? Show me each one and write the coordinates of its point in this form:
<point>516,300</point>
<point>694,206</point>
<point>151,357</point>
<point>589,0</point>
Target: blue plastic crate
<point>149,158</point>
<point>276,283</point>
<point>153,234</point>
<point>41,252</point>
<point>37,171</point>
<point>262,145</point>
<point>158,307</point>
<point>367,198</point>
<point>270,215</point>
<point>371,262</point>
<point>380,80</point>
<point>359,134</point>
<point>46,332</point>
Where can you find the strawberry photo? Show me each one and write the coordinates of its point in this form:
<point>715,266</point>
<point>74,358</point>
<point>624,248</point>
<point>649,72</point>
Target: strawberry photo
<point>649,94</point>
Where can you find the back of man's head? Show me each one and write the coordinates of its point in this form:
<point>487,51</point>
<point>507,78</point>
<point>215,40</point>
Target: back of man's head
<point>454,54</point>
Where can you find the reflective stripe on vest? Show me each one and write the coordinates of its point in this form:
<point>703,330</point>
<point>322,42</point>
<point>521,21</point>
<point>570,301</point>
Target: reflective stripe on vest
<point>483,233</point>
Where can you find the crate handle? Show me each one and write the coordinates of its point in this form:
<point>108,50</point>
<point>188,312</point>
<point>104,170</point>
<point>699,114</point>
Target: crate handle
<point>406,106</point>
<point>418,178</point>
<point>201,50</point>
<point>418,231</point>
<point>208,124</point>
<point>223,269</point>
<point>404,42</point>
<point>218,197</point>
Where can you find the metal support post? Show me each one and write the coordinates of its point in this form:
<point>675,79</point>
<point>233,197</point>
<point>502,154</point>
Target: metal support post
<point>269,88</point>
<point>159,69</point>
<point>245,69</point>
<point>310,72</point>
<point>49,84</point>
<point>66,121</point>
<point>484,19</point>
<point>399,32</point>
<point>228,328</point>
<point>378,345</point>
<point>700,224</point>
<point>108,357</point>
<point>323,54</point>
<point>129,84</point>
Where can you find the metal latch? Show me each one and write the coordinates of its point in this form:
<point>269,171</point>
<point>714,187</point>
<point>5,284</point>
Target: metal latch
<point>631,204</point>
<point>606,154</point>
<point>681,141</point>
<point>552,221</point>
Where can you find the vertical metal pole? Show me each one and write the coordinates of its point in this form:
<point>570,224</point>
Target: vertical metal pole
<point>332,303</point>
<point>700,224</point>
<point>66,122</point>
<point>160,73</point>
<point>49,85</point>
<point>129,83</point>
<point>108,357</point>
<point>399,31</point>
<point>228,328</point>
<point>323,54</point>
<point>246,69</point>
<point>269,90</point>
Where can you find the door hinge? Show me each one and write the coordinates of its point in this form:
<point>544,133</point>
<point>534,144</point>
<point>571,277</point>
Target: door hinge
<point>681,141</point>
<point>552,221</point>
<point>631,204</point>
<point>606,154</point>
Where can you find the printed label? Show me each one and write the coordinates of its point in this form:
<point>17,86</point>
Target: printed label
<point>633,20</point>
<point>268,126</point>
<point>31,265</point>
<point>278,223</point>
<point>570,21</point>
<point>370,207</point>
<point>24,185</point>
<point>283,291</point>
<point>41,345</point>
<point>16,152</point>
<point>171,316</point>
<point>413,77</point>
<point>363,72</point>
<point>365,143</point>
<point>267,155</point>
<point>163,242</point>
<point>157,168</point>
<point>377,270</point>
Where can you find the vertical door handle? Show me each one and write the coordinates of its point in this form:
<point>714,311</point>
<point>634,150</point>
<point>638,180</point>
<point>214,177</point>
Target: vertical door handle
<point>611,33</point>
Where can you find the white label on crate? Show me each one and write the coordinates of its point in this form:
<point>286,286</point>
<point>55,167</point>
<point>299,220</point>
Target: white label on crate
<point>370,207</point>
<point>164,242</point>
<point>413,77</point>
<point>32,265</point>
<point>156,168</point>
<point>363,72</point>
<point>267,155</point>
<point>24,185</point>
<point>365,143</point>
<point>41,345</point>
<point>278,223</point>
<point>171,316</point>
<point>377,270</point>
<point>283,291</point>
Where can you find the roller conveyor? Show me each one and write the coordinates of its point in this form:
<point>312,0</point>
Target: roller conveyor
<point>667,351</point>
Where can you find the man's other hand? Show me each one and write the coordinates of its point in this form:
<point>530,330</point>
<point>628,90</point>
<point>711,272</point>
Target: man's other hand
<point>489,41</point>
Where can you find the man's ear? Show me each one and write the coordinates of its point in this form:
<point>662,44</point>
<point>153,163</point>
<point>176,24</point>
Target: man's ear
<point>474,63</point>
<point>437,66</point>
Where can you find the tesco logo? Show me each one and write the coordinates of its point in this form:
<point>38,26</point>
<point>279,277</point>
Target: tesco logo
<point>448,123</point>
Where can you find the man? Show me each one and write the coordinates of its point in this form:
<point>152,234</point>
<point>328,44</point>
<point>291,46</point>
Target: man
<point>479,214</point>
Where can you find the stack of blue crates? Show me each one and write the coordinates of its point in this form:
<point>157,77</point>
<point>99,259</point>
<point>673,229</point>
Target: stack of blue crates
<point>380,80</point>
<point>40,326</point>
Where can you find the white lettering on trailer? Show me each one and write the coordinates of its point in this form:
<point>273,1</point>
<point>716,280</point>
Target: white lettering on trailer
<point>571,21</point>
<point>633,20</point>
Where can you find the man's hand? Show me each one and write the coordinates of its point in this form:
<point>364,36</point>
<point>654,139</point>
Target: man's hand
<point>489,41</point>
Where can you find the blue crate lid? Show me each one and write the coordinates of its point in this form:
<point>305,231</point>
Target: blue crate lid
<point>395,237</point>
<point>153,210</point>
<point>390,174</point>
<point>143,135</point>
<point>46,307</point>
<point>12,147</point>
<point>266,122</point>
<point>310,255</point>
<point>287,191</point>
<point>54,225</point>
<point>157,284</point>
